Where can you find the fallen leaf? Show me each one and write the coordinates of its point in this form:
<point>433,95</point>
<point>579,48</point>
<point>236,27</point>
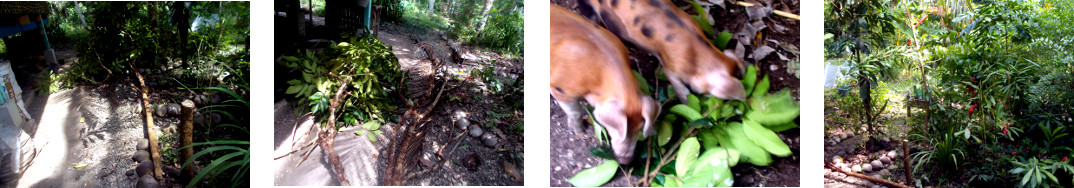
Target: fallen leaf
<point>762,52</point>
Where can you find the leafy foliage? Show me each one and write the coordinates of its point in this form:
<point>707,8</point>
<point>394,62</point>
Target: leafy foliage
<point>718,134</point>
<point>366,70</point>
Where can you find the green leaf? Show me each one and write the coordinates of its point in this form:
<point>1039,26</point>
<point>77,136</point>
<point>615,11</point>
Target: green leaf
<point>595,176</point>
<point>663,135</point>
<point>774,109</point>
<point>723,39</point>
<point>642,83</point>
<point>762,87</point>
<point>294,89</point>
<point>710,170</point>
<point>781,128</point>
<point>372,137</point>
<point>685,111</point>
<point>694,102</point>
<point>750,152</point>
<point>602,151</point>
<point>687,154</point>
<point>701,123</point>
<point>371,125</point>
<point>766,139</point>
<point>749,79</point>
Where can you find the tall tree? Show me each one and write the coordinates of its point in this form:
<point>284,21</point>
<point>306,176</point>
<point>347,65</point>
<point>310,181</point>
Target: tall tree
<point>485,15</point>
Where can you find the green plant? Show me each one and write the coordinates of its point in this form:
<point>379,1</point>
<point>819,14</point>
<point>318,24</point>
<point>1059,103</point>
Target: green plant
<point>1034,173</point>
<point>364,68</point>
<point>715,134</point>
<point>371,130</point>
<point>47,83</point>
<point>229,156</point>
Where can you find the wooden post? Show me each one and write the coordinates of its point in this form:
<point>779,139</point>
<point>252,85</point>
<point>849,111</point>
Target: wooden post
<point>906,161</point>
<point>186,137</point>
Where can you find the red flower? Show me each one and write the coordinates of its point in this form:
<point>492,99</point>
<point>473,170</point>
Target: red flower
<point>1064,158</point>
<point>971,108</point>
<point>1013,153</point>
<point>1004,131</point>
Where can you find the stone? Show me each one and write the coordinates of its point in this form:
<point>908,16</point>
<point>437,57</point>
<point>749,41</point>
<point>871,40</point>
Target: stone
<point>885,159</point>
<point>867,167</point>
<point>144,167</point>
<point>877,164</point>
<point>427,160</point>
<point>147,181</point>
<point>748,180</point>
<point>162,110</point>
<point>174,109</point>
<point>462,123</point>
<point>892,154</point>
<point>475,131</point>
<point>512,171</point>
<point>143,145</point>
<point>215,99</point>
<point>140,155</point>
<point>837,159</point>
<point>885,172</point>
<point>459,114</point>
<point>171,171</point>
<point>490,140</point>
<point>559,168</point>
<point>856,168</point>
<point>216,118</point>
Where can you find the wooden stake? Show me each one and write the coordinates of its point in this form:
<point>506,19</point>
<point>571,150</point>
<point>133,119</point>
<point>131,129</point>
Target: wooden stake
<point>777,12</point>
<point>906,161</point>
<point>154,147</point>
<point>186,137</point>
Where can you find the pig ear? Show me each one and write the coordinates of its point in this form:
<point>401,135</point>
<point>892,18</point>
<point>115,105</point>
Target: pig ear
<point>611,116</point>
<point>649,111</point>
<point>738,62</point>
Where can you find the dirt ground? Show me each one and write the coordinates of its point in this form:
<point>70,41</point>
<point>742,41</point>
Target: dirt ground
<point>97,126</point>
<point>572,156</point>
<point>847,141</point>
<point>496,164</point>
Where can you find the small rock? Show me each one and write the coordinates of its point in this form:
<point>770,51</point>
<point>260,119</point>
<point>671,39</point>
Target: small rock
<point>892,154</point>
<point>867,167</point>
<point>174,109</point>
<point>856,168</point>
<point>427,160</point>
<point>462,123</point>
<point>512,171</point>
<point>198,101</point>
<point>144,167</point>
<point>459,114</point>
<point>472,161</point>
<point>162,110</point>
<point>877,164</point>
<point>140,155</point>
<point>837,159</point>
<point>490,140</point>
<point>837,140</point>
<point>216,118</point>
<point>171,171</point>
<point>559,168</point>
<point>147,181</point>
<point>748,180</point>
<point>885,172</point>
<point>885,159</point>
<point>143,145</point>
<point>773,67</point>
<point>475,131</point>
<point>215,99</point>
<point>129,173</point>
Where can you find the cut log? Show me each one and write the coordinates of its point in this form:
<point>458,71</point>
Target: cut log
<point>154,147</point>
<point>186,138</point>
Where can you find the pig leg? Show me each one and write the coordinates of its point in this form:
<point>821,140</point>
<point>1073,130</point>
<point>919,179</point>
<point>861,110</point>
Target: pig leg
<point>680,88</point>
<point>574,111</point>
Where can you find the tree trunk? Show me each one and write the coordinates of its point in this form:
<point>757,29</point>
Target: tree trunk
<point>485,15</point>
<point>80,17</point>
<point>431,5</point>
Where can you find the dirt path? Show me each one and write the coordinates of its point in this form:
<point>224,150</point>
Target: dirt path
<point>356,152</point>
<point>98,127</point>
<point>496,164</point>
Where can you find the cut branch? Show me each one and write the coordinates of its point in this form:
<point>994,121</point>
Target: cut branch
<point>154,147</point>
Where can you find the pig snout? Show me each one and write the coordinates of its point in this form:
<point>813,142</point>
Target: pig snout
<point>724,86</point>
<point>624,151</point>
